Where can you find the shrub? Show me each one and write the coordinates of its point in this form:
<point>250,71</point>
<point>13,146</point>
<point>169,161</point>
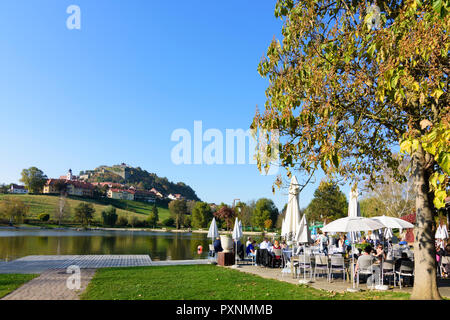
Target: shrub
<point>122,221</point>
<point>109,216</point>
<point>133,221</point>
<point>169,222</point>
<point>44,217</point>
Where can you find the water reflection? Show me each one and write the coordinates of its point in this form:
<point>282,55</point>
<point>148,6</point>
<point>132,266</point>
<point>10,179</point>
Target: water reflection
<point>160,246</point>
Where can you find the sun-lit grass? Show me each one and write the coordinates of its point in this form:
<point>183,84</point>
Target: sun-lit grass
<point>49,204</point>
<point>10,282</point>
<point>205,282</point>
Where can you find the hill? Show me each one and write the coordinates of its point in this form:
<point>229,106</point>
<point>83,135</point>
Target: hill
<point>139,178</point>
<point>49,203</point>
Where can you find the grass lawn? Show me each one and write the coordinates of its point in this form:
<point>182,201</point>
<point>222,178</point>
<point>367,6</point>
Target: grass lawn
<point>10,282</point>
<point>50,203</point>
<point>205,282</point>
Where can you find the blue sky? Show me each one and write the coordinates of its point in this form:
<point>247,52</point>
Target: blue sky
<point>115,90</point>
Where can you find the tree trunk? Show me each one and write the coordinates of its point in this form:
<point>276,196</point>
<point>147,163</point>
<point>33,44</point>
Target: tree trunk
<point>425,284</point>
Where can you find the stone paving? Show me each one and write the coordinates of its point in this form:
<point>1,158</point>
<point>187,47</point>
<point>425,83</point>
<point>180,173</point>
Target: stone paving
<point>52,282</point>
<point>52,285</point>
<point>39,264</point>
<point>337,285</point>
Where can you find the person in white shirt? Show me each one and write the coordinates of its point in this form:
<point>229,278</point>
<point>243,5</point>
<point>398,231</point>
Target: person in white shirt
<point>265,244</point>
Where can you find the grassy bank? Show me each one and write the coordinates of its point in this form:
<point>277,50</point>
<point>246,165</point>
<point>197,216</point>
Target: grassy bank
<point>205,282</point>
<point>50,203</point>
<point>10,282</point>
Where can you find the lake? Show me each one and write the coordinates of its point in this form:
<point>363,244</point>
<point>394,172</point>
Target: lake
<point>17,243</point>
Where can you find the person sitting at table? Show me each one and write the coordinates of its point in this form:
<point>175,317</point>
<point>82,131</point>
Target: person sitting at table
<point>265,244</point>
<point>249,241</point>
<point>366,258</point>
<point>276,245</point>
<point>251,251</point>
<point>379,253</point>
<point>341,244</point>
<point>399,261</point>
<point>217,245</point>
<point>284,245</point>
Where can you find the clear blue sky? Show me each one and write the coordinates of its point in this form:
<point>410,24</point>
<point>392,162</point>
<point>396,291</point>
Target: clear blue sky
<point>115,90</point>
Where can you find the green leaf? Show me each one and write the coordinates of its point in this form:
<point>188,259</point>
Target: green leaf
<point>437,6</point>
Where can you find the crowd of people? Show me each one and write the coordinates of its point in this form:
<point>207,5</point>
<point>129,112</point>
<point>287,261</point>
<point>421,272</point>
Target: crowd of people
<point>374,252</point>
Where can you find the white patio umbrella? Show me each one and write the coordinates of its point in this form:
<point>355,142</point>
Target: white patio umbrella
<point>303,236</point>
<point>387,234</point>
<point>354,211</point>
<point>352,224</point>
<point>441,232</point>
<point>213,231</point>
<point>236,235</point>
<point>393,223</point>
<point>292,218</point>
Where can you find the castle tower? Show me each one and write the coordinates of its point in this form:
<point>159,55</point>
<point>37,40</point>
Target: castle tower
<point>69,175</point>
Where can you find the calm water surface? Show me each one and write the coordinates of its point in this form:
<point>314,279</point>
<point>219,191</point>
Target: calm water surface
<point>16,243</point>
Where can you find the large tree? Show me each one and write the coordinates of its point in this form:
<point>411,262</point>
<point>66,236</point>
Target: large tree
<point>84,213</point>
<point>178,209</point>
<point>34,179</point>
<point>349,83</point>
<point>201,215</point>
<point>265,210</point>
<point>13,209</point>
<point>329,203</point>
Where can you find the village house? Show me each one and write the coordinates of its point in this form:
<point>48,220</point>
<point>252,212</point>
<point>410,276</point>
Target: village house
<point>175,196</point>
<point>70,187</point>
<point>17,189</point>
<point>143,195</point>
<point>120,194</point>
<point>157,193</point>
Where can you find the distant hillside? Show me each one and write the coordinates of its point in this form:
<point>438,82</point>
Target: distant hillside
<point>139,178</point>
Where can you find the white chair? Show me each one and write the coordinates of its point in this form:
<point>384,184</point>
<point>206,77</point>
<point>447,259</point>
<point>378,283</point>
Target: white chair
<point>365,267</point>
<point>321,264</point>
<point>406,270</point>
<point>304,264</point>
<point>337,263</point>
<point>389,269</point>
<point>444,261</point>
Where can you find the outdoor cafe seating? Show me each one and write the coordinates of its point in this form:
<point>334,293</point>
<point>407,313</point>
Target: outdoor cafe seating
<point>311,263</point>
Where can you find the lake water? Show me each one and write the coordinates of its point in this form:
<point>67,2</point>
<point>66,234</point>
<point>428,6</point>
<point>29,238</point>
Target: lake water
<point>17,243</point>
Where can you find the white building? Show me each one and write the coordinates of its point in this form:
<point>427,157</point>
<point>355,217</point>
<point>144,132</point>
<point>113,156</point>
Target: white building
<point>16,189</point>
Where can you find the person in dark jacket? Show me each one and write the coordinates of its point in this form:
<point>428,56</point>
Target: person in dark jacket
<point>217,245</point>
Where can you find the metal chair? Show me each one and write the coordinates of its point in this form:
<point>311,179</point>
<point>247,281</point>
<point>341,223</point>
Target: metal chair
<point>304,263</point>
<point>275,260</point>
<point>406,270</point>
<point>365,267</point>
<point>388,267</point>
<point>321,264</point>
<point>444,261</point>
<point>337,263</point>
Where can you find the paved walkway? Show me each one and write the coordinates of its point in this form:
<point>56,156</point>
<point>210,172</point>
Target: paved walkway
<point>39,264</point>
<point>52,282</point>
<point>321,283</point>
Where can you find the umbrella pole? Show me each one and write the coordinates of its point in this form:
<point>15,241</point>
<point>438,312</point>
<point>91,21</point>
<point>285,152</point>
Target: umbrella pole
<point>353,289</point>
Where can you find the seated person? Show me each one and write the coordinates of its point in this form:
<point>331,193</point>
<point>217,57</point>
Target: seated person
<point>365,260</point>
<point>284,245</point>
<point>265,244</point>
<point>398,263</point>
<point>217,245</point>
<point>379,253</point>
<point>251,251</point>
<point>276,245</point>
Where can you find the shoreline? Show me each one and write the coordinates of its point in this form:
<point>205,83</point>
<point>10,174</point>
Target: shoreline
<point>163,230</point>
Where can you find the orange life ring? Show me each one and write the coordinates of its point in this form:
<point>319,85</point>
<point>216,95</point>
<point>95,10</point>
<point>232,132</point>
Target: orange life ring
<point>199,249</point>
